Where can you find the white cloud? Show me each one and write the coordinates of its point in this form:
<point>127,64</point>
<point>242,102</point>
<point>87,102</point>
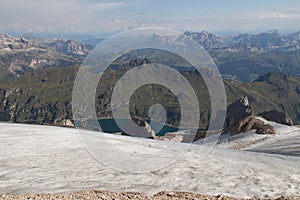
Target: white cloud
<point>116,15</point>
<point>274,15</point>
<point>51,15</point>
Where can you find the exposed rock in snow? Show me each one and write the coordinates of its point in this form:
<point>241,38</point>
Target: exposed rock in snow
<point>250,123</point>
<point>64,122</point>
<point>286,141</point>
<point>237,111</point>
<point>276,116</point>
<point>140,128</point>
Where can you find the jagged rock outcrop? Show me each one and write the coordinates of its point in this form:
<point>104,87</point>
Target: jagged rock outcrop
<point>143,130</point>
<point>250,123</point>
<point>239,118</point>
<point>207,40</point>
<point>137,62</point>
<point>237,111</point>
<point>69,47</point>
<point>276,116</point>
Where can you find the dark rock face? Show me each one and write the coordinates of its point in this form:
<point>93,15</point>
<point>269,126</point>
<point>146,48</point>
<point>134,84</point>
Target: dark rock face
<point>276,116</point>
<point>239,118</point>
<point>137,62</point>
<point>266,129</point>
<point>237,111</point>
<point>250,123</point>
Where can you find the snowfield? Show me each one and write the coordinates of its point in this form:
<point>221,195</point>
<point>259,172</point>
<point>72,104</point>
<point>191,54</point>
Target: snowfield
<point>45,159</point>
<point>285,142</point>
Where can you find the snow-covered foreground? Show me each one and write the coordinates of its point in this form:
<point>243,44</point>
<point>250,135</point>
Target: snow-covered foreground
<point>41,159</point>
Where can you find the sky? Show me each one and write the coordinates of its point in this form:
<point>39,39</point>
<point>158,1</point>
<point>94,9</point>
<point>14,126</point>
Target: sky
<point>100,17</point>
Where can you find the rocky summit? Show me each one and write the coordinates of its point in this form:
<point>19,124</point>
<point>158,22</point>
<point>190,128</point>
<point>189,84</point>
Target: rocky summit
<point>237,111</point>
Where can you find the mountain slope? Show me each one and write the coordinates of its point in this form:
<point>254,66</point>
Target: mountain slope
<point>25,99</point>
<point>248,66</point>
<point>277,91</point>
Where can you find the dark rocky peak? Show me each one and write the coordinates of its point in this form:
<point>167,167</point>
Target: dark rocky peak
<point>239,118</point>
<point>136,62</point>
<point>237,111</point>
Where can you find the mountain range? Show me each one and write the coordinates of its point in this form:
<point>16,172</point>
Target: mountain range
<point>18,55</point>
<point>242,57</point>
<point>259,42</point>
<point>265,67</point>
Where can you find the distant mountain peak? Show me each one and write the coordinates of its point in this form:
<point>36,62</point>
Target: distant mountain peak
<point>206,39</point>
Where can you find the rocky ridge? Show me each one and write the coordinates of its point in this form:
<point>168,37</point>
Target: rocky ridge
<point>206,39</point>
<point>18,55</point>
<point>257,42</point>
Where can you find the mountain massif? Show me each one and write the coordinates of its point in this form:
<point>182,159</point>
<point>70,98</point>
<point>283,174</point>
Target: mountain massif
<point>258,42</point>
<point>242,57</point>
<point>37,76</point>
<point>19,55</point>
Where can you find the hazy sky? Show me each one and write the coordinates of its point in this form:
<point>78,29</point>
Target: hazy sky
<point>100,16</point>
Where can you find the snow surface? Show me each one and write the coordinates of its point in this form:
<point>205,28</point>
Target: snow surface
<point>41,159</point>
<point>285,142</point>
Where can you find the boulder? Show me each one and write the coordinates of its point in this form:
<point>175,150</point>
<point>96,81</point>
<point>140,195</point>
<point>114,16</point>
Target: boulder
<point>250,123</point>
<point>64,123</point>
<point>237,111</point>
<point>266,129</point>
<point>143,129</point>
<point>276,116</point>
